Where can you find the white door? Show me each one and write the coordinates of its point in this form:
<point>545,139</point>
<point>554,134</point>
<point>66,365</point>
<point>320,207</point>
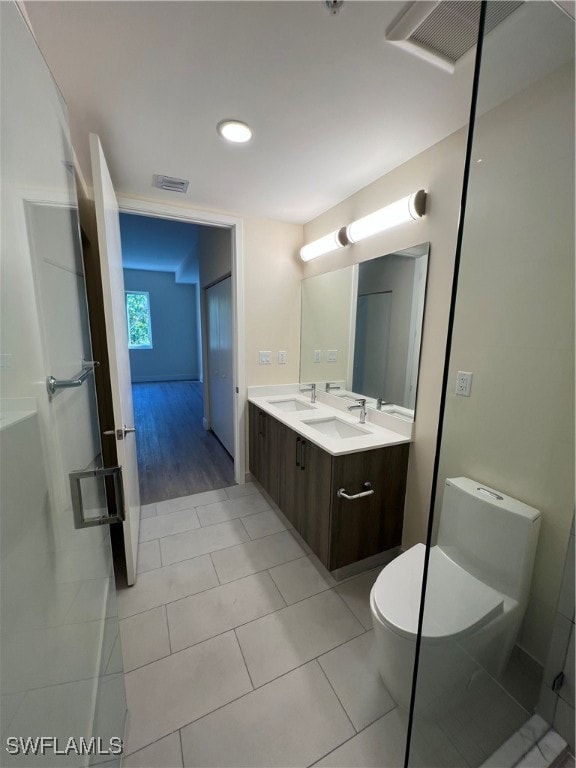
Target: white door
<point>117,342</point>
<point>220,362</point>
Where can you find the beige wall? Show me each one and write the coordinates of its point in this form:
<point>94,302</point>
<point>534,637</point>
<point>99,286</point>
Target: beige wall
<point>439,170</point>
<point>514,326</point>
<point>326,318</point>
<point>272,275</point>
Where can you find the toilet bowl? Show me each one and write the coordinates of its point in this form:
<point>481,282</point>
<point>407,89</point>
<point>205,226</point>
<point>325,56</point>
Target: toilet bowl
<point>478,583</point>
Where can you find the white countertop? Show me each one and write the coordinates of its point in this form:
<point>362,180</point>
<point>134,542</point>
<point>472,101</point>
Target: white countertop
<point>374,435</point>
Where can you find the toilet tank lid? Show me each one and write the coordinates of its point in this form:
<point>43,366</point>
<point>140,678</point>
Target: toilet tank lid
<point>456,602</point>
<point>494,497</point>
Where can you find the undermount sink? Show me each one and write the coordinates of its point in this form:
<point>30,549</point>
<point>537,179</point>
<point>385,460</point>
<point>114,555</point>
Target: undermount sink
<point>333,427</point>
<point>291,404</point>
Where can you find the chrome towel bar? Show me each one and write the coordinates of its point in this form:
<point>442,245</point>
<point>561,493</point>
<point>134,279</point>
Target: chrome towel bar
<point>367,492</point>
<point>53,384</point>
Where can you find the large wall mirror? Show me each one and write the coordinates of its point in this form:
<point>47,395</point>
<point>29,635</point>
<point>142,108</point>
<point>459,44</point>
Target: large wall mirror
<point>362,328</point>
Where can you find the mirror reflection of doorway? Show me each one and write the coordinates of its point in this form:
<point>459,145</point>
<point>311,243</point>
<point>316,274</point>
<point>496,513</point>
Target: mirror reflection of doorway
<point>373,314</point>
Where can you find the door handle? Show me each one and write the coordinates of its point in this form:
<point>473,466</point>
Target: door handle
<point>119,434</point>
<point>115,474</point>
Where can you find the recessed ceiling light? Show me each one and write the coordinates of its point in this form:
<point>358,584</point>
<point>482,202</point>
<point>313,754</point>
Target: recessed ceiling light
<point>235,130</point>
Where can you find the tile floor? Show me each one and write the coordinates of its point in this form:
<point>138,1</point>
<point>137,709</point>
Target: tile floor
<point>240,649</point>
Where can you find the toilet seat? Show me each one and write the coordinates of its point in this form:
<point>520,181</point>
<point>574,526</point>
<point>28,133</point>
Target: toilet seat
<point>456,602</point>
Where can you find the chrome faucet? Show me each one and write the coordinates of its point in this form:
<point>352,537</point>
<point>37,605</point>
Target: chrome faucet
<point>312,390</point>
<point>361,403</point>
<point>330,387</point>
<point>380,402</point>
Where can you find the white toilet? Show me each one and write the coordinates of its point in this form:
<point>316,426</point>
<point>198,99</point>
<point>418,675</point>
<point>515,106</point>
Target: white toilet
<point>478,584</point>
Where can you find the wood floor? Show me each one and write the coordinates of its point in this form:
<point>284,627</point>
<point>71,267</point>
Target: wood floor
<point>176,455</point>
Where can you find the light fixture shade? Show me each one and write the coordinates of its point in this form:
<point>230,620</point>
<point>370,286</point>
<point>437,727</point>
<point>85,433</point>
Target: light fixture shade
<point>407,209</point>
<point>235,131</point>
<point>331,242</point>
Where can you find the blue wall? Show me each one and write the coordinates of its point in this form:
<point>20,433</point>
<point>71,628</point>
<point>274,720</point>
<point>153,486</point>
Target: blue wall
<point>175,355</point>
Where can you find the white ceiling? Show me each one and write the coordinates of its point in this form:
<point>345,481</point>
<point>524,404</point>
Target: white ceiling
<point>333,106</point>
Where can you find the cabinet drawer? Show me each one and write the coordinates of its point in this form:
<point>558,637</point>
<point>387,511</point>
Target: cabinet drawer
<point>371,524</point>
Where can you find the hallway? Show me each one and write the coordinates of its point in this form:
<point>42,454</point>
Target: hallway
<point>177,457</point>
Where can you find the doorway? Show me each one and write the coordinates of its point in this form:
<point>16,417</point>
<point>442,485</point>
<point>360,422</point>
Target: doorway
<point>183,382</point>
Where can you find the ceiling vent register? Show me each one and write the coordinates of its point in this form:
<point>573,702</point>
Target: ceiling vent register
<point>170,183</point>
<point>442,32</point>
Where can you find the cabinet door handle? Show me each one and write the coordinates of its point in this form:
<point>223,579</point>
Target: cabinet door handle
<point>368,491</point>
<point>302,454</point>
<point>298,441</point>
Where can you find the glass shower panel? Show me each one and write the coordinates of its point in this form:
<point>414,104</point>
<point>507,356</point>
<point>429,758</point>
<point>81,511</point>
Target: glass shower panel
<point>487,628</point>
<point>61,674</point>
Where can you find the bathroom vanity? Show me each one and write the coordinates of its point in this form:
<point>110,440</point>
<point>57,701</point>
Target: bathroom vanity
<point>340,483</point>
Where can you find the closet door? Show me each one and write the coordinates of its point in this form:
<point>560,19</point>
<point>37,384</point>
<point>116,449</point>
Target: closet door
<point>220,353</point>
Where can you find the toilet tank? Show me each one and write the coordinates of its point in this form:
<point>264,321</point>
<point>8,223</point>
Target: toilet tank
<point>492,536</point>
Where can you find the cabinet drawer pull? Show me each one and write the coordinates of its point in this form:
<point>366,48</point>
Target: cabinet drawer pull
<point>302,454</point>
<point>298,441</point>
<point>367,492</point>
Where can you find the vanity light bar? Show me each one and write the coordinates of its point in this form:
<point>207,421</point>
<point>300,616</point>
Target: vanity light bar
<point>409,208</point>
<point>336,239</point>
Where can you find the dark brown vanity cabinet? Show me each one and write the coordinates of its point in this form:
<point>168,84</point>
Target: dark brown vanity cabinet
<point>304,481</point>
<point>265,451</point>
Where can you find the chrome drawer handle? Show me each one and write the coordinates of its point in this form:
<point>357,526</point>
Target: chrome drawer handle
<point>368,492</point>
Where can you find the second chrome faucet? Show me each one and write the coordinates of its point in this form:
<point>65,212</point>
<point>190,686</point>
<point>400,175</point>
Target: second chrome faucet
<point>360,403</point>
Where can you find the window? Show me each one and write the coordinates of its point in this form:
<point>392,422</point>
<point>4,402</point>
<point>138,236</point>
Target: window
<point>138,315</point>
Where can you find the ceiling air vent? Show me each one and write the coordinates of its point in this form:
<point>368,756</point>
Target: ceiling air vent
<point>170,183</point>
<point>442,32</point>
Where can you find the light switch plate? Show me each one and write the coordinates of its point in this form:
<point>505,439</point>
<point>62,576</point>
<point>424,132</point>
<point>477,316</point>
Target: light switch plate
<point>282,357</point>
<point>265,357</point>
<point>332,355</point>
<point>317,355</point>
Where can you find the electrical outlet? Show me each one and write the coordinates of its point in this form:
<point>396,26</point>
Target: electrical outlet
<point>463,383</point>
<point>332,355</point>
<point>282,357</point>
<point>317,355</point>
<point>265,357</point>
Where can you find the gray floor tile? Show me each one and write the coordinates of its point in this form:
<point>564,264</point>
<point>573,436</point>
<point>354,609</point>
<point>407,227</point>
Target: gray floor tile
<point>294,635</point>
<point>148,556</point>
<point>144,638</point>
<point>183,546</point>
<point>353,673</point>
<point>165,753</point>
<point>300,579</point>
<point>381,745</point>
<point>166,525</point>
<point>208,614</point>
<point>167,584</point>
<point>263,524</point>
<point>147,510</point>
<point>188,502</point>
<point>246,489</point>
<point>180,688</point>
<point>356,593</point>
<point>254,556</point>
<point>289,722</point>
<point>231,509</point>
